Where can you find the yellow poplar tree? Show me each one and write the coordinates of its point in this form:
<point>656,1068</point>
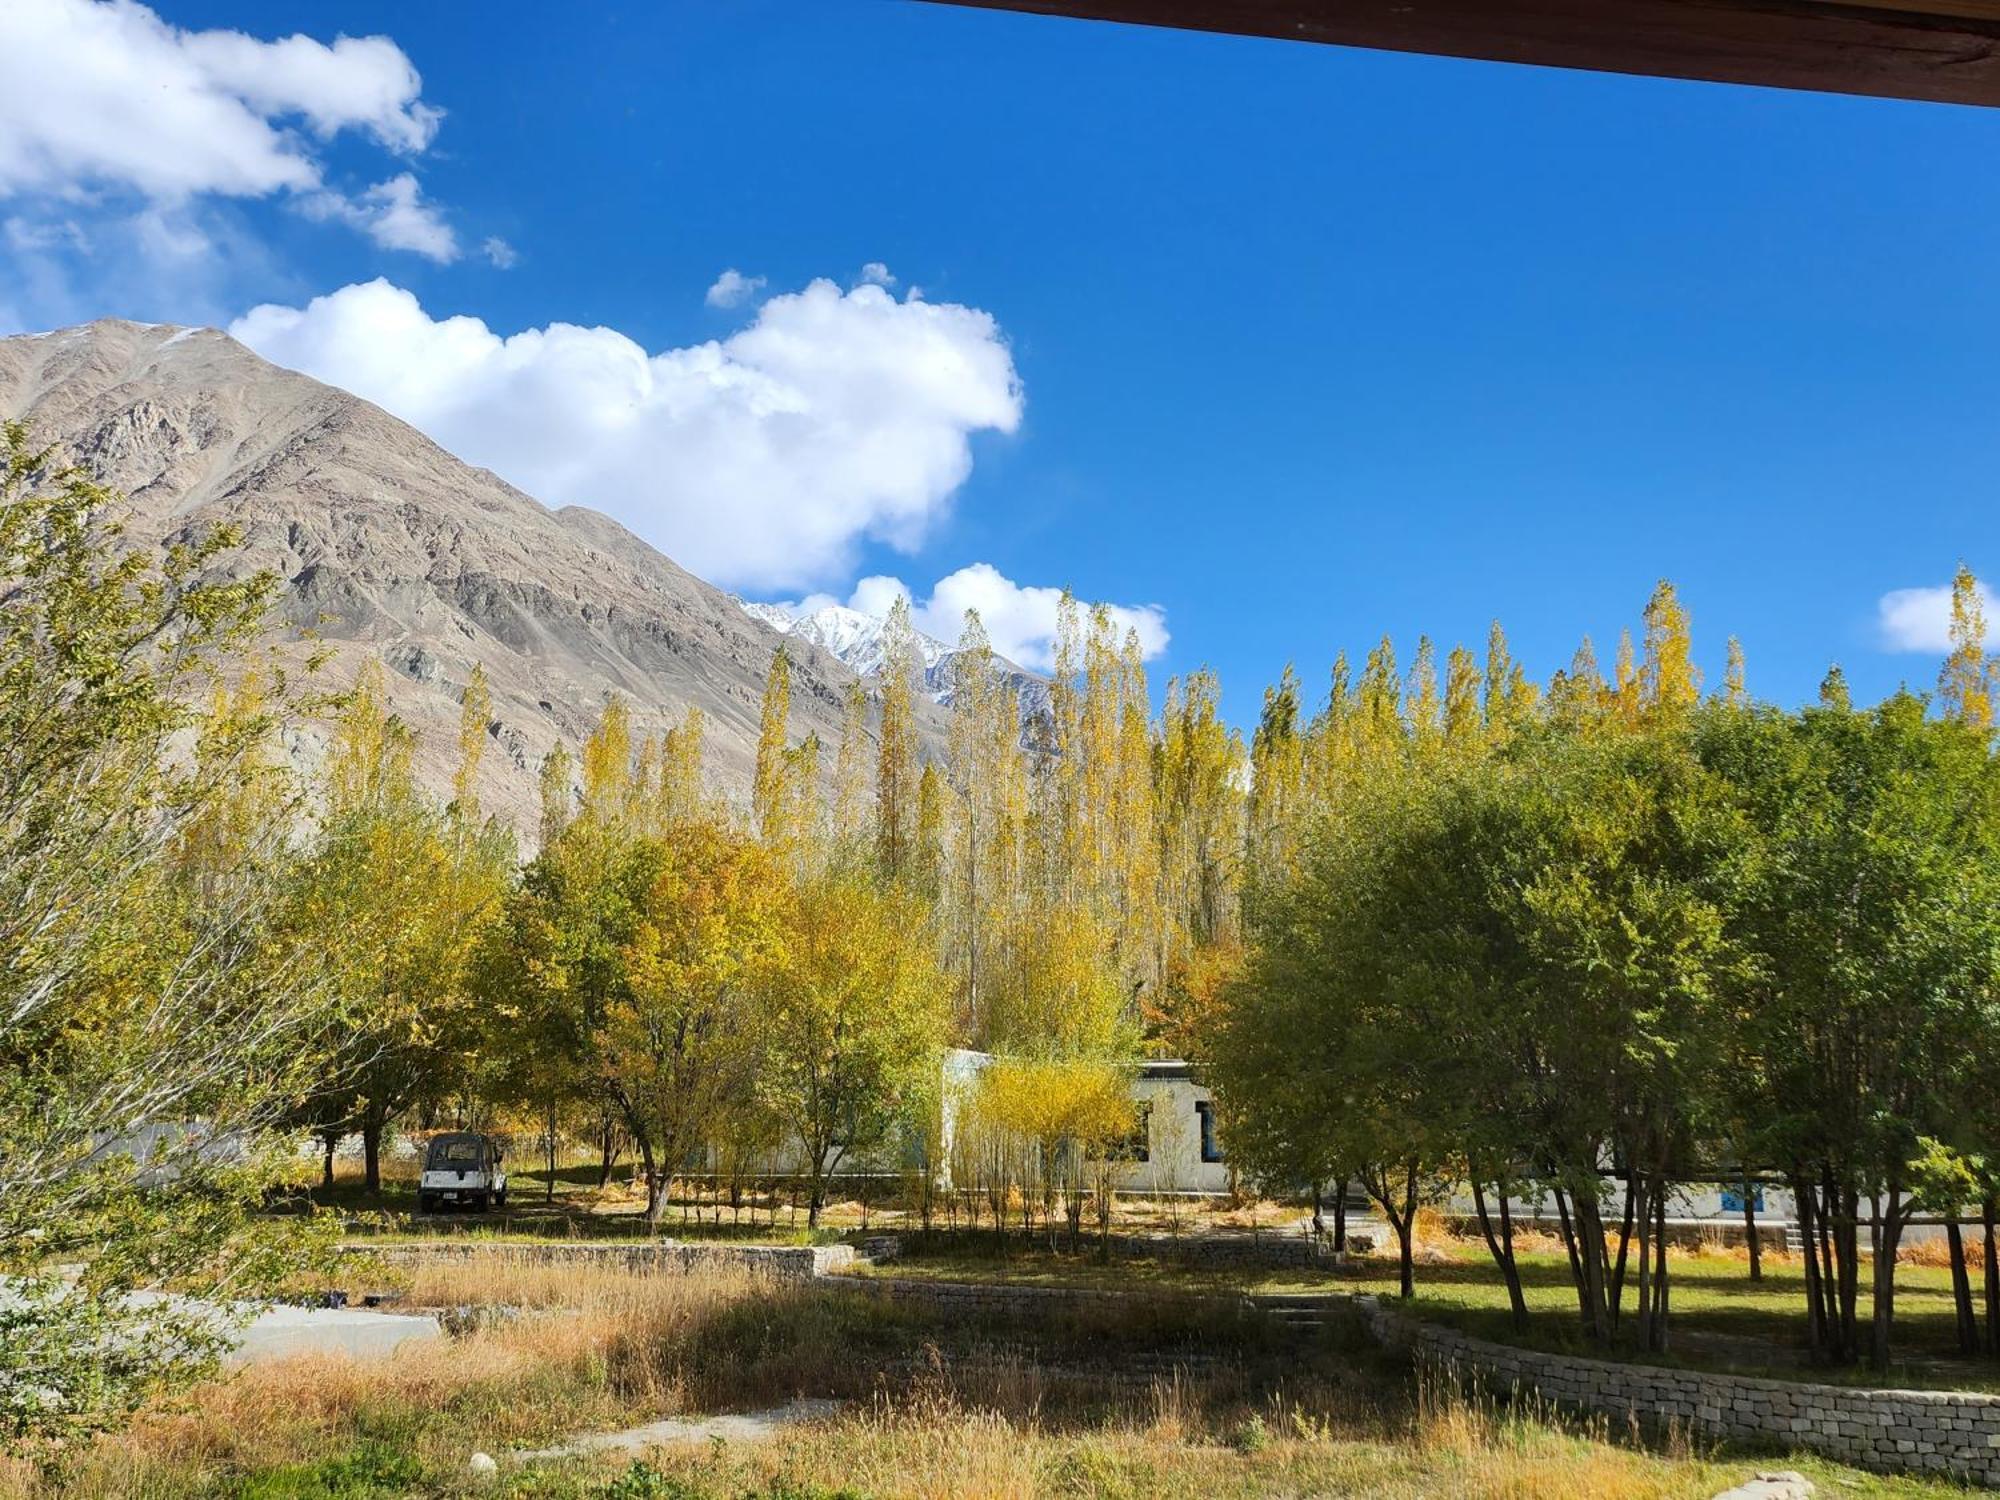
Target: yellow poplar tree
<point>1464,724</point>
<point>1668,681</point>
<point>475,714</point>
<point>769,802</point>
<point>1735,692</point>
<point>990,808</point>
<point>852,1017</point>
<point>849,817</point>
<point>671,1041</point>
<point>896,769</point>
<point>1965,684</point>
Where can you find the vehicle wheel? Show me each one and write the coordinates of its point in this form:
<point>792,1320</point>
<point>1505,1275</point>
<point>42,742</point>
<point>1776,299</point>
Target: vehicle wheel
<point>426,1204</point>
<point>500,1199</point>
<point>480,1203</point>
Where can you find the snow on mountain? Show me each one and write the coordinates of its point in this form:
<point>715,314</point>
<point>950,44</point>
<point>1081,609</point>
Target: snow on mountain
<point>855,639</point>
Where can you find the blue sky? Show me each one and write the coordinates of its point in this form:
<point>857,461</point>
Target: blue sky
<point>1296,344</point>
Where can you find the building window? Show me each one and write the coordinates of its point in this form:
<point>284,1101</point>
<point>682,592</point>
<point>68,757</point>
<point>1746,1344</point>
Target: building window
<point>1205,1111</point>
<point>1138,1145</point>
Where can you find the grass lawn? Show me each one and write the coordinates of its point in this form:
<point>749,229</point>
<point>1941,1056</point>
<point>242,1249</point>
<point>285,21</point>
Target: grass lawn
<point>1721,1319</point>
<point>596,1350</point>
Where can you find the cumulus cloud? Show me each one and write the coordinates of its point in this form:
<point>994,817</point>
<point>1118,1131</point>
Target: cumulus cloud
<point>393,214</point>
<point>1019,619</point>
<point>732,289</point>
<point>499,252</point>
<point>1920,619</point>
<point>760,460</point>
<point>877,274</point>
<point>102,97</point>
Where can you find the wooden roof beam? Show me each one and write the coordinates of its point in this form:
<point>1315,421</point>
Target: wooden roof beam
<point>1944,51</point>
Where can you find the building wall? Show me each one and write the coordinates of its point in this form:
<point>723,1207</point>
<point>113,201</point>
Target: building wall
<point>1182,1156</point>
<point>1175,1151</point>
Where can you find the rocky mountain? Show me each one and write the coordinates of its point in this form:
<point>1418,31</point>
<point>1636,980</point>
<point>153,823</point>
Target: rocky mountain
<point>855,639</point>
<point>388,546</point>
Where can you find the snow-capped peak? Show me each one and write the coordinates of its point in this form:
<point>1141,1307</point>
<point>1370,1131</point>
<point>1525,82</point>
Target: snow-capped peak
<point>847,635</point>
<point>855,639</point>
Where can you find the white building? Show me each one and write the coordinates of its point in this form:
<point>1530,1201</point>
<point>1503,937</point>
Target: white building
<point>1175,1147</point>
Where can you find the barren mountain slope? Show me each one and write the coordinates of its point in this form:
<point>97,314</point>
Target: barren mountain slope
<point>386,544</point>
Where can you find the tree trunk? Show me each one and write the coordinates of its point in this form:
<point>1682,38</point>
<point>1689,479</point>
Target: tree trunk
<point>371,1151</point>
<point>1569,1245</point>
<point>1635,1195</point>
<point>1662,1288</point>
<point>1590,1254</point>
<point>1816,1291</point>
<point>1750,1230</point>
<point>1401,1216</point>
<point>1406,1265</point>
<point>1891,1231</point>
<point>1340,1220</point>
<point>329,1140</point>
<point>1643,1312</point>
<point>1847,1236</point>
<point>610,1159</point>
<point>656,1198</point>
<point>1989,1221</point>
<point>1501,1247</point>
<point>1616,1296</point>
<point>550,1195</point>
<point>1961,1291</point>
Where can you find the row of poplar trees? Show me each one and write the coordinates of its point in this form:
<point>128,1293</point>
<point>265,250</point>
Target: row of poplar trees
<point>1528,943</point>
<point>724,988</point>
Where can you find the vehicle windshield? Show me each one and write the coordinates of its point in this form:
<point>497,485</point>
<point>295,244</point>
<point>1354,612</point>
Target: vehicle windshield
<point>454,1153</point>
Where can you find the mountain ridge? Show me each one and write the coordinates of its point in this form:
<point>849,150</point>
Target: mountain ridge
<point>386,544</point>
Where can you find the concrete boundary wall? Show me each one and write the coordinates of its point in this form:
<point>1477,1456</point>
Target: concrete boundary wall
<point>1938,1432</point>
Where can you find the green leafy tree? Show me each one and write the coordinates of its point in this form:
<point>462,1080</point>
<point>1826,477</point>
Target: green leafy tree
<point>157,1015</point>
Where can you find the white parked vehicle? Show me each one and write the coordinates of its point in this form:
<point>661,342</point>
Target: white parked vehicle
<point>462,1168</point>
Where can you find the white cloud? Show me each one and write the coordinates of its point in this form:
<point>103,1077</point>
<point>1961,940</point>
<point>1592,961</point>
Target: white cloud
<point>393,214</point>
<point>1920,619</point>
<point>1019,619</point>
<point>103,105</point>
<point>109,95</point>
<point>759,461</point>
<point>877,274</point>
<point>27,236</point>
<point>499,252</point>
<point>732,289</point>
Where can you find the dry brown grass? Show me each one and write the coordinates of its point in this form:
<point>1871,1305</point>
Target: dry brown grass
<point>1935,1253</point>
<point>1172,1443</point>
<point>593,1347</point>
<point>599,1348</point>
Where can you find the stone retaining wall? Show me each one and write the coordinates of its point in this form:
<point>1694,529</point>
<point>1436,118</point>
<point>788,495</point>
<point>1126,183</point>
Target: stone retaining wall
<point>1944,1432</point>
<point>987,1298</point>
<point>1278,1250</point>
<point>1275,1250</point>
<point>790,1263</point>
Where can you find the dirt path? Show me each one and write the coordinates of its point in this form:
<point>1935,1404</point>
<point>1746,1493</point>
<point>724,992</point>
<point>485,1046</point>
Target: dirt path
<point>741,1427</point>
